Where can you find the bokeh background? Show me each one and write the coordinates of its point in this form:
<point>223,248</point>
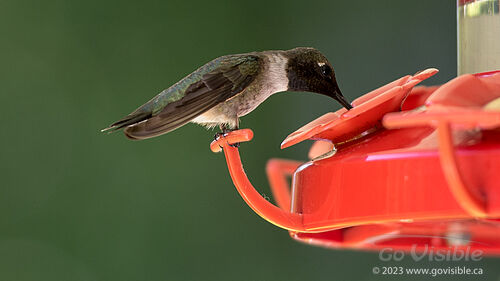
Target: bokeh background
<point>76,204</point>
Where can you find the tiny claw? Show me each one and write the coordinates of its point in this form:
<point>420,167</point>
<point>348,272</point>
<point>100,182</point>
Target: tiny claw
<point>235,145</point>
<point>217,136</point>
<point>233,138</point>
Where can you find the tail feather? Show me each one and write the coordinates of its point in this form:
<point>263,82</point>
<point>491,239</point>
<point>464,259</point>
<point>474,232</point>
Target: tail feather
<point>128,120</point>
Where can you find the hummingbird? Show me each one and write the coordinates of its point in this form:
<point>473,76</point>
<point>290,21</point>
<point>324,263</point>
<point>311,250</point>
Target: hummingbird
<point>229,87</point>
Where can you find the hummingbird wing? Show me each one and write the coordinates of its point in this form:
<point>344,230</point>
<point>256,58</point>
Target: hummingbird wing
<point>211,84</point>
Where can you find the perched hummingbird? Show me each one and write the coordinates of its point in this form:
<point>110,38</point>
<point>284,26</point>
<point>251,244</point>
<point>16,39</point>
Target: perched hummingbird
<point>228,87</point>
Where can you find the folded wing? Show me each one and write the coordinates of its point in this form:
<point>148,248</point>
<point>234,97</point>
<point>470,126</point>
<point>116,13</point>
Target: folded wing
<point>227,80</point>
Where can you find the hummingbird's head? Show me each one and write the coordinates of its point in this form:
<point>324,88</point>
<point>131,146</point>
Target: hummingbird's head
<point>308,70</point>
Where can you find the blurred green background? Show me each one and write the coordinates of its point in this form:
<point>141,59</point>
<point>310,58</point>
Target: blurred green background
<point>76,204</point>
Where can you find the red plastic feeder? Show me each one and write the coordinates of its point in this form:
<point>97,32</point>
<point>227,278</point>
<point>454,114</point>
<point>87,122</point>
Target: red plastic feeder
<point>405,168</point>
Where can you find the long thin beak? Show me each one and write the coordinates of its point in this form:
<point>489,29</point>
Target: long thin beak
<point>341,99</point>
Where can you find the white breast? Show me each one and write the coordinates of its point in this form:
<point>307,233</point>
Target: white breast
<point>273,79</point>
<point>276,79</point>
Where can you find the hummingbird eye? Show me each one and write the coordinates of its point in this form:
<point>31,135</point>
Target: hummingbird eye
<point>326,70</point>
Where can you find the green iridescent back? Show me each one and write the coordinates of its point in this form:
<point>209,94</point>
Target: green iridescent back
<point>246,63</point>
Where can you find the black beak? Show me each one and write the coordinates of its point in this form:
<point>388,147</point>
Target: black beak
<point>340,98</point>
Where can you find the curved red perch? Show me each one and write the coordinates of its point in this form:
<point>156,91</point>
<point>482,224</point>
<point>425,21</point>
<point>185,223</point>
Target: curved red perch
<point>261,206</point>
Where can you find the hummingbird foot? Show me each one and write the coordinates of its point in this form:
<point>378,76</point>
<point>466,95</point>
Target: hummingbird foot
<point>217,136</point>
<point>225,131</point>
<point>233,139</point>
<point>235,145</point>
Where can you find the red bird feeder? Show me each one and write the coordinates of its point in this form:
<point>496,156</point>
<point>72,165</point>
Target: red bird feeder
<point>406,167</point>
